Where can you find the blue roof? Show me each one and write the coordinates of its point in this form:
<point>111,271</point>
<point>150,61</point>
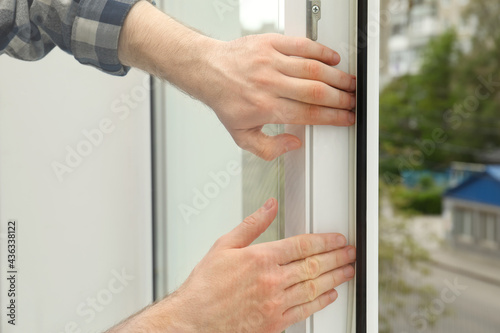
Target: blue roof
<point>494,171</point>
<point>482,188</point>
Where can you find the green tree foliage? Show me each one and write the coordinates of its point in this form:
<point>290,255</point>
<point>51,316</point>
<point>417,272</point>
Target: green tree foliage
<point>424,199</point>
<point>402,269</point>
<point>449,110</point>
<point>481,130</point>
<point>413,130</point>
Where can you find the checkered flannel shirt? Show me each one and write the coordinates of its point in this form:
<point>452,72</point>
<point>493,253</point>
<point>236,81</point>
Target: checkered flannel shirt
<point>88,29</point>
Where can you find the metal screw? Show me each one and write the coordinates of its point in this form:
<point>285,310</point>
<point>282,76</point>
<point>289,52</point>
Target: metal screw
<point>315,9</point>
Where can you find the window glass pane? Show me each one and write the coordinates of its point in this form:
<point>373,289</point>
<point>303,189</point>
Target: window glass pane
<point>211,184</point>
<point>497,219</point>
<point>490,227</point>
<point>458,221</point>
<point>439,166</point>
<point>468,223</point>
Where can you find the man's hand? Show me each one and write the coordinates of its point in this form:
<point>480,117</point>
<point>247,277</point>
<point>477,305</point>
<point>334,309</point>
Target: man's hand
<point>260,288</point>
<point>258,80</point>
<point>249,82</point>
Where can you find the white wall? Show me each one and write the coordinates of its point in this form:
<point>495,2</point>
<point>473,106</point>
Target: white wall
<point>78,231</point>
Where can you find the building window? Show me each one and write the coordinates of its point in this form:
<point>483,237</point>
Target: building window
<point>487,228</point>
<point>491,228</point>
<point>481,227</point>
<point>458,221</point>
<point>462,223</point>
<point>467,223</point>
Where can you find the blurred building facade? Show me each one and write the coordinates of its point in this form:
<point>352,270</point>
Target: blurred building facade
<point>408,25</point>
<point>471,209</point>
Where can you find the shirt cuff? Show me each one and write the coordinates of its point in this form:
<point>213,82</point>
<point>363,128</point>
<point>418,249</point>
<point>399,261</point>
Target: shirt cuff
<point>95,34</point>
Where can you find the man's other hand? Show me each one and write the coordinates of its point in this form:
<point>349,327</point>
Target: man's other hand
<point>238,287</point>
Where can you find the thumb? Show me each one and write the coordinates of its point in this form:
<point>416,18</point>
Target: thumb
<point>268,147</point>
<point>251,227</point>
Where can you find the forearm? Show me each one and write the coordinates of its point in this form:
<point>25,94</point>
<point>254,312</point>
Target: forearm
<point>163,317</point>
<point>249,82</point>
<point>154,42</point>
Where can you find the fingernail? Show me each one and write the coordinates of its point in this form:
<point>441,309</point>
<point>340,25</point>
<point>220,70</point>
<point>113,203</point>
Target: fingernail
<point>333,295</point>
<point>348,271</point>
<point>336,58</point>
<point>353,84</point>
<point>269,204</point>
<point>353,102</point>
<point>341,240</point>
<point>352,254</point>
<point>292,145</point>
<point>352,117</point>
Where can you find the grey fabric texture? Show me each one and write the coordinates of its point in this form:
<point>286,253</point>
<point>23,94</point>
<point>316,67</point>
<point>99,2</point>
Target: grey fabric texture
<point>87,29</point>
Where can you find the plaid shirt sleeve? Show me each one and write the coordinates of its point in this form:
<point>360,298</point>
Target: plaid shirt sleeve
<point>88,29</point>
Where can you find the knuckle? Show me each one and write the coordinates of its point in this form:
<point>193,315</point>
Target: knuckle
<point>261,150</point>
<point>302,44</point>
<point>344,99</point>
<point>221,240</point>
<point>312,267</point>
<point>325,53</point>
<point>283,116</point>
<point>336,262</point>
<point>268,282</point>
<point>265,153</point>
<point>263,260</point>
<point>336,280</point>
<point>343,79</point>
<point>262,104</point>
<point>323,302</point>
<point>335,117</point>
<point>300,314</point>
<point>267,157</point>
<point>243,140</point>
<point>313,111</point>
<point>313,69</point>
<point>250,221</point>
<point>273,108</point>
<point>274,305</point>
<point>317,92</point>
<point>346,79</point>
<point>243,144</point>
<point>303,246</point>
<point>311,290</point>
<point>260,79</point>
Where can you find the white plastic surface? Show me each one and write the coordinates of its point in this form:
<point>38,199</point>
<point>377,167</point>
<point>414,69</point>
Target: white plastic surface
<point>319,188</point>
<point>83,238</point>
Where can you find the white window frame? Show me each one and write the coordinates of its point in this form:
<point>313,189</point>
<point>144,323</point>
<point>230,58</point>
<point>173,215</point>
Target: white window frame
<point>331,184</point>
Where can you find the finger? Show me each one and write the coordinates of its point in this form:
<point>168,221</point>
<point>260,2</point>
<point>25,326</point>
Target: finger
<point>293,112</point>
<point>315,70</point>
<point>303,246</point>
<point>312,267</point>
<point>309,290</point>
<point>315,92</point>
<point>251,227</point>
<point>303,311</point>
<point>265,146</point>
<point>306,48</point>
